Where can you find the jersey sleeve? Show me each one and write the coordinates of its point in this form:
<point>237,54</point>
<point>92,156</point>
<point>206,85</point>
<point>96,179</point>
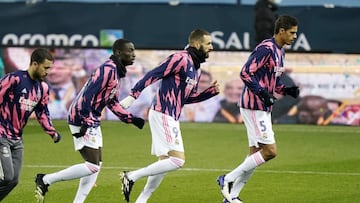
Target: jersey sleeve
<point>118,110</point>
<point>165,69</point>
<point>6,84</point>
<point>279,88</point>
<point>202,96</point>
<point>256,61</point>
<point>42,111</point>
<point>95,92</point>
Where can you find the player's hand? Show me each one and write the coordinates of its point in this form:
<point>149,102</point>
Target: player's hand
<point>292,91</point>
<point>267,98</point>
<point>57,137</point>
<point>138,122</point>
<point>216,85</point>
<point>127,101</point>
<point>82,131</point>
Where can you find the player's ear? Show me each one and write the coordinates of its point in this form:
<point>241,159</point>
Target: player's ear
<point>117,52</point>
<point>197,44</point>
<point>281,30</point>
<point>34,63</point>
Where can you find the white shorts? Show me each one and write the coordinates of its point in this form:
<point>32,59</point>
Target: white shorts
<point>258,126</point>
<point>92,137</point>
<point>165,133</point>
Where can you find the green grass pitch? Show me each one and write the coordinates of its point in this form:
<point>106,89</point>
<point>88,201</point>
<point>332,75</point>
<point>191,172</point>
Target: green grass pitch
<point>315,164</point>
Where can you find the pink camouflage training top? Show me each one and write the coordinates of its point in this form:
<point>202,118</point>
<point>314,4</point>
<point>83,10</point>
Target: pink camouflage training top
<point>179,82</point>
<point>20,96</point>
<point>262,71</point>
<point>101,90</point>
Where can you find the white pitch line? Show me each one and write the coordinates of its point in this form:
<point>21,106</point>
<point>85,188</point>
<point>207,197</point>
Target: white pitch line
<point>215,170</point>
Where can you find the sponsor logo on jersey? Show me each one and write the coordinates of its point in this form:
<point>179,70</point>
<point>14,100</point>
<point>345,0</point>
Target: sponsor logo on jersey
<point>27,104</point>
<point>191,82</point>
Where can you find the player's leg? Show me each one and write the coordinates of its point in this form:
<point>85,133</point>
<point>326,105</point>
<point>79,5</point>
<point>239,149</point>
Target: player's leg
<point>261,142</point>
<point>164,165</point>
<point>152,183</point>
<point>92,152</point>
<point>239,183</point>
<point>89,147</point>
<point>259,130</point>
<point>74,171</point>
<point>10,165</point>
<point>87,182</point>
<point>226,182</point>
<point>167,144</point>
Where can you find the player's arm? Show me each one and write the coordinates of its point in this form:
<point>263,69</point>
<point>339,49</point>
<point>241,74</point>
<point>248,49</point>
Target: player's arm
<point>291,90</point>
<point>211,91</point>
<point>43,115</point>
<point>255,62</point>
<point>7,83</point>
<point>124,115</point>
<point>98,81</point>
<point>165,69</point>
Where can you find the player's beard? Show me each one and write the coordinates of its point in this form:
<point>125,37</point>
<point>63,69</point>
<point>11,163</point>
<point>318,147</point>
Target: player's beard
<point>202,50</point>
<point>38,76</point>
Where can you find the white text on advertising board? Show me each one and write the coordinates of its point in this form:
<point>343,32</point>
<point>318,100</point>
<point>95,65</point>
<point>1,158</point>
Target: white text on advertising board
<point>50,40</point>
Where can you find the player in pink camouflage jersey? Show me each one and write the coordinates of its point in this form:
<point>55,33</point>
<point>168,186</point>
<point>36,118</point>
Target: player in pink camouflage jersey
<point>21,93</point>
<point>261,75</point>
<point>101,90</point>
<point>179,75</point>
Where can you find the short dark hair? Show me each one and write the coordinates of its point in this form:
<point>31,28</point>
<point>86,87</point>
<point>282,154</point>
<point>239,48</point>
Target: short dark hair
<point>197,35</point>
<point>119,44</point>
<point>39,55</point>
<point>286,22</point>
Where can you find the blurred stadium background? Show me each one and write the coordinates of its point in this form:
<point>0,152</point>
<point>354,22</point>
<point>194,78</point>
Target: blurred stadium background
<point>318,160</point>
<point>324,61</point>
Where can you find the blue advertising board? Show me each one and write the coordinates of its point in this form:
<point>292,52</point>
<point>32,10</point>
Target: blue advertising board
<point>161,26</point>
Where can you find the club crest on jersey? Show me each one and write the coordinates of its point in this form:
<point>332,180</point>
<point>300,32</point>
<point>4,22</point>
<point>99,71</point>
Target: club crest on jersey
<point>278,71</point>
<point>264,136</point>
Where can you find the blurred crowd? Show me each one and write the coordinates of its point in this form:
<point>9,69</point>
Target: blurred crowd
<point>72,67</point>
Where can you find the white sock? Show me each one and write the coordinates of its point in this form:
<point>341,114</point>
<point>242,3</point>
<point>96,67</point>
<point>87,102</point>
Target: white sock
<point>250,163</point>
<point>72,172</point>
<point>85,185</point>
<point>240,182</point>
<point>152,183</point>
<point>161,166</point>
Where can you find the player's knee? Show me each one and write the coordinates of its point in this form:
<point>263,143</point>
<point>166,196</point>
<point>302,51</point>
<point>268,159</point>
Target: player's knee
<point>93,168</point>
<point>270,154</point>
<point>8,177</point>
<point>177,161</point>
